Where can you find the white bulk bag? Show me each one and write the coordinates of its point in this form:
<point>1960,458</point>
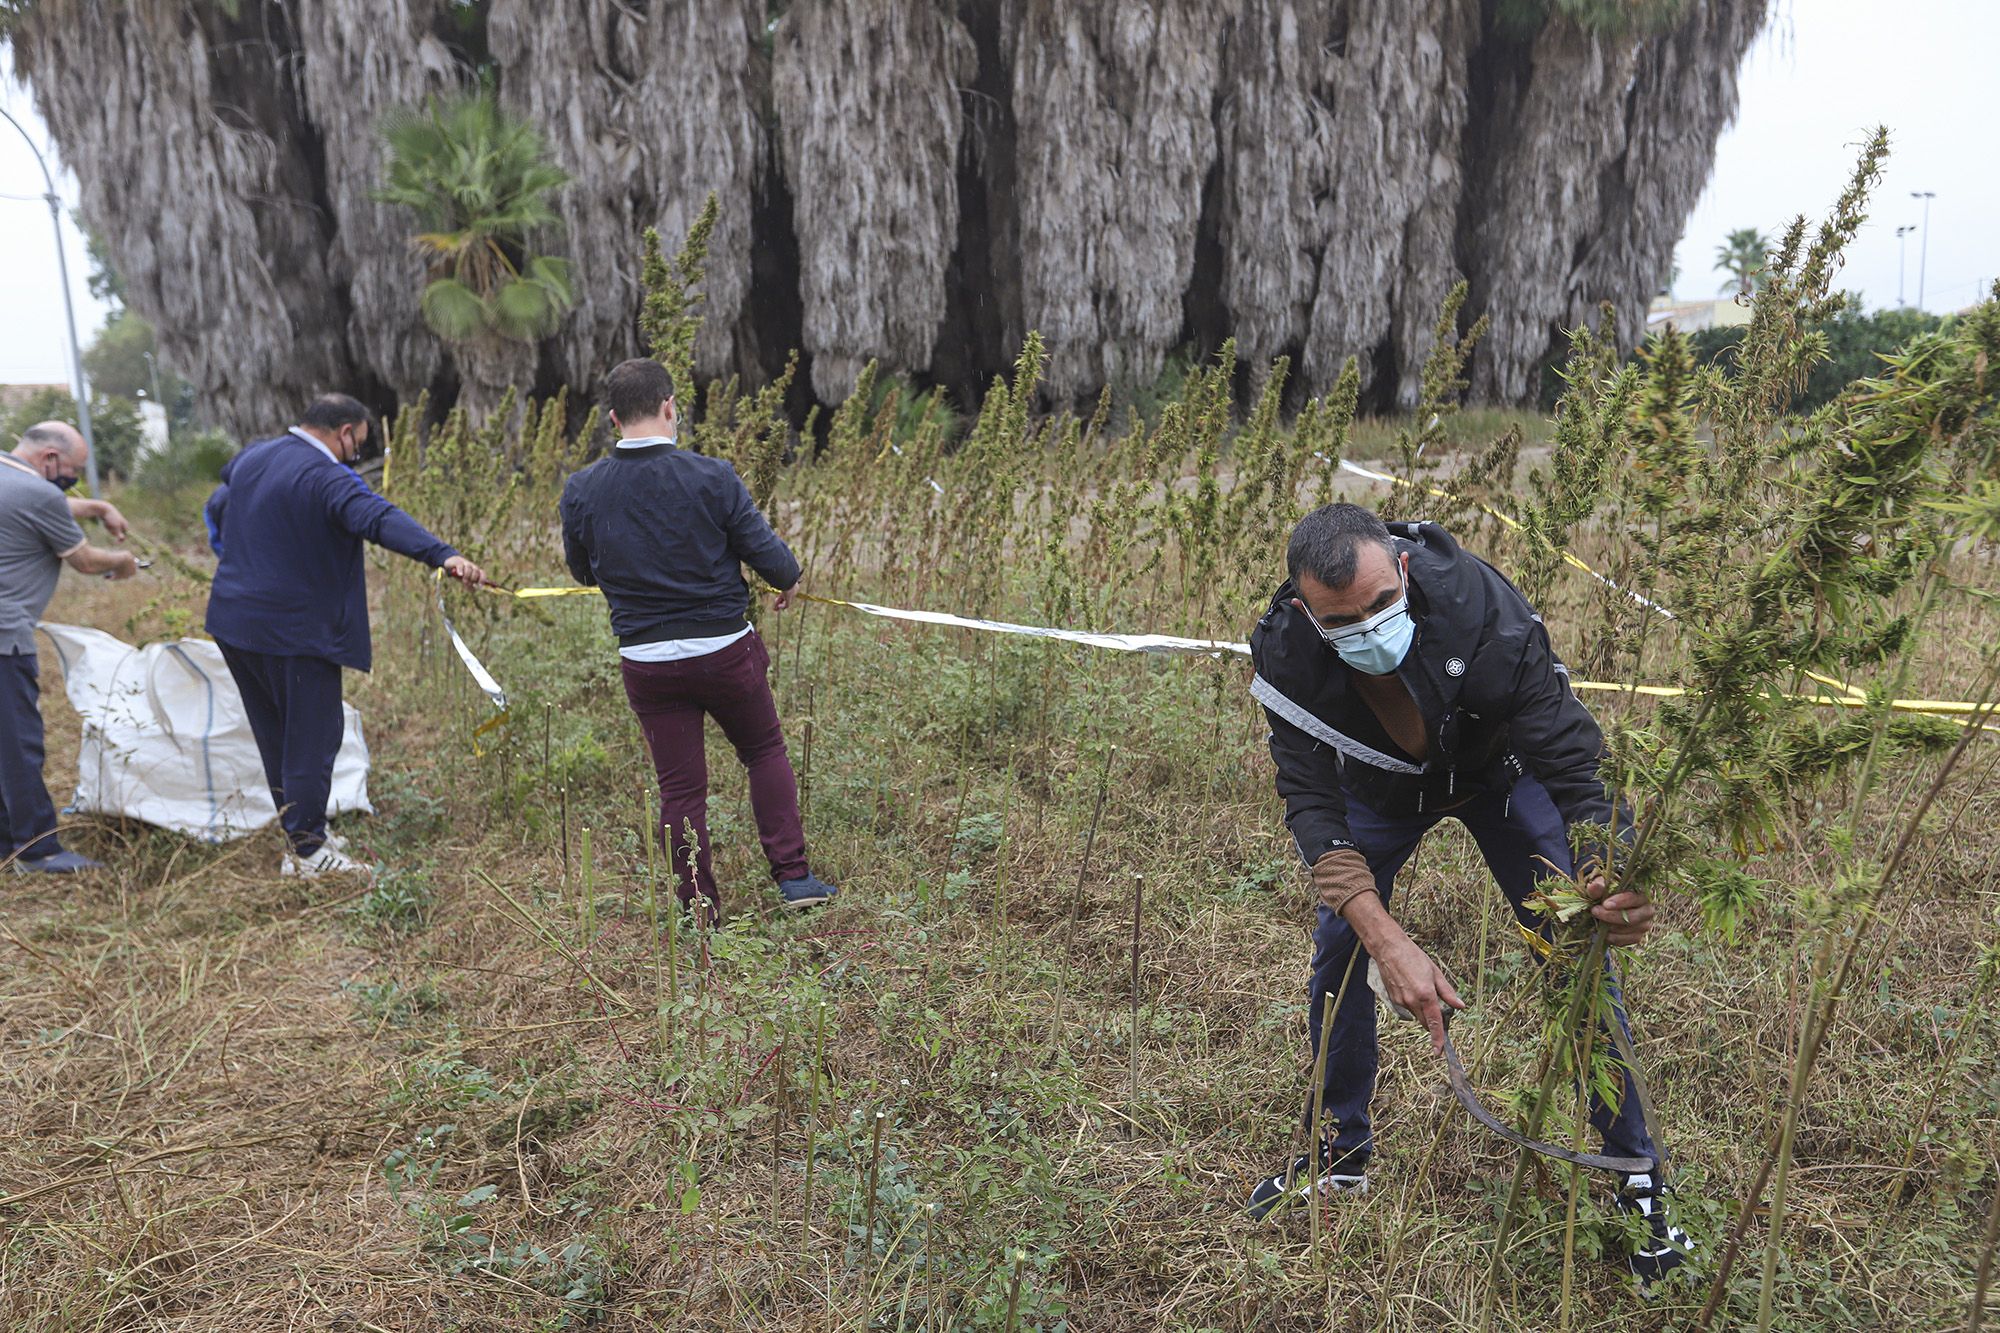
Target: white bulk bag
<point>166,740</point>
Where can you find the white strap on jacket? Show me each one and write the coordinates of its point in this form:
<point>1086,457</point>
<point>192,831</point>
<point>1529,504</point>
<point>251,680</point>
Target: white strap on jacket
<point>1268,695</point>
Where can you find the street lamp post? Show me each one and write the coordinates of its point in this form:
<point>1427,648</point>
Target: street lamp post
<point>1923,244</point>
<point>153,376</point>
<point>1902,252</point>
<point>69,310</point>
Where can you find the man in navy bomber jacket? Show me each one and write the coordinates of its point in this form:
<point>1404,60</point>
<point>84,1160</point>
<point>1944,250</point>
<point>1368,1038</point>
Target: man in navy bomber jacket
<point>289,605</point>
<point>665,533</point>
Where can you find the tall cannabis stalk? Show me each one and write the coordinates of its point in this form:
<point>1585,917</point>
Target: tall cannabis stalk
<point>1793,552</point>
<point>670,313</point>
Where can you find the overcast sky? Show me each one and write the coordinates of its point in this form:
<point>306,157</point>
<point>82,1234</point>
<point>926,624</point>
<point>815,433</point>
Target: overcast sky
<point>33,346</point>
<point>1821,75</point>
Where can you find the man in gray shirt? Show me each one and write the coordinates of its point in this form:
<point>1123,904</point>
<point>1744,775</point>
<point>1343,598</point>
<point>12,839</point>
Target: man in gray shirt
<point>38,535</point>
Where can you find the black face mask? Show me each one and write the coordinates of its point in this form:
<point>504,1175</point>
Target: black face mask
<point>65,481</point>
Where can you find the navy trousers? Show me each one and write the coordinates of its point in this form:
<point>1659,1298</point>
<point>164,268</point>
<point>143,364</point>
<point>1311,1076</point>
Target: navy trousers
<point>1512,829</point>
<point>27,815</point>
<point>295,714</point>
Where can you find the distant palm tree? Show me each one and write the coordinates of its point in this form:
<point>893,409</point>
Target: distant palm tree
<point>480,182</point>
<point>1742,255</point>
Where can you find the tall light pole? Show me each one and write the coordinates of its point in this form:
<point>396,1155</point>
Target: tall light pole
<point>1923,245</point>
<point>153,376</point>
<point>1902,251</point>
<point>69,310</point>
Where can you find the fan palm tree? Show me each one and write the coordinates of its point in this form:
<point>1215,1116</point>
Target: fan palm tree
<point>480,182</point>
<point>1742,255</point>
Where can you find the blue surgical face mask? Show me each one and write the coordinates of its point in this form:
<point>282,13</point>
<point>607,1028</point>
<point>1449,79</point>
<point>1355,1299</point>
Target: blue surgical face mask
<point>1377,645</point>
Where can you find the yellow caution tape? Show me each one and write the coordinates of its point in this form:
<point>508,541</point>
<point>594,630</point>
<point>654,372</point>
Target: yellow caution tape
<point>1174,645</point>
<point>1848,696</point>
<point>1575,561</point>
<point>1934,707</point>
<point>504,717</point>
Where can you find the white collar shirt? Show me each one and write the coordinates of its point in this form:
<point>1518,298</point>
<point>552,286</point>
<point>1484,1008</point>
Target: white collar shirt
<point>315,442</point>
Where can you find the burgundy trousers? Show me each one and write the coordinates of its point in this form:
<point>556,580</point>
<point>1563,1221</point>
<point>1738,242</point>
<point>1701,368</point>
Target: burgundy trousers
<point>672,699</point>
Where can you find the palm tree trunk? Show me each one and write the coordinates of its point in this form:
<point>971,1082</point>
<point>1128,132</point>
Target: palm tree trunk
<point>919,186</point>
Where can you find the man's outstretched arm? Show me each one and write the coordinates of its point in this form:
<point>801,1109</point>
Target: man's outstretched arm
<point>103,511</point>
<point>88,559</point>
<point>370,517</point>
<point>1409,975</point>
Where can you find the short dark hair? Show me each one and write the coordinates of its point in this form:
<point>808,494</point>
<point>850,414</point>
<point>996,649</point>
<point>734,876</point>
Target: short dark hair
<point>636,388</point>
<point>331,411</point>
<point>1327,543</point>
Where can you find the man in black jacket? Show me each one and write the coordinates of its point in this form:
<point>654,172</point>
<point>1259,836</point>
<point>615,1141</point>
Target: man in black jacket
<point>1406,681</point>
<point>665,534</point>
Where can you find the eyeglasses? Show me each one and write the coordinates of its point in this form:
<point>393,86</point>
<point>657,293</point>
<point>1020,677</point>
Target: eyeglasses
<point>1334,635</point>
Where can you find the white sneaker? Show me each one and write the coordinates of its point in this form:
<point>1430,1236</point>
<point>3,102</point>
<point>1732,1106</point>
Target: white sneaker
<point>335,841</point>
<point>328,860</point>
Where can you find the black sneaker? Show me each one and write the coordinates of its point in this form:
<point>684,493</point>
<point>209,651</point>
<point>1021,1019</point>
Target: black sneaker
<point>1294,1185</point>
<point>1662,1247</point>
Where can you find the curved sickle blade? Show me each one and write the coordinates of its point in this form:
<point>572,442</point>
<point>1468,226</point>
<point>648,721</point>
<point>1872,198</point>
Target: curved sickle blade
<point>1461,1088</point>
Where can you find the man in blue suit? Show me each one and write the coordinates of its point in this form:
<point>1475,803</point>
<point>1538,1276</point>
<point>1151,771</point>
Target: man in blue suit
<point>289,605</point>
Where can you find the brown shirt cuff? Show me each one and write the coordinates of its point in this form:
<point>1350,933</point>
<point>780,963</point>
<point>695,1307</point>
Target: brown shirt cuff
<point>1341,875</point>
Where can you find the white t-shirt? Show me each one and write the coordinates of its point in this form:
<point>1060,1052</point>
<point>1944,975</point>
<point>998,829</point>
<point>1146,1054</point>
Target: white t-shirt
<point>679,650</point>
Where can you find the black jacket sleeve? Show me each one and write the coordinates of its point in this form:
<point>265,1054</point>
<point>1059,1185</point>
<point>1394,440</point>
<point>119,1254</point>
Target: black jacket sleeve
<point>752,540</point>
<point>576,551</point>
<point>1559,741</point>
<point>1309,782</point>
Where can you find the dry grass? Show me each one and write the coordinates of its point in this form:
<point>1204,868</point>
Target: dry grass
<point>227,1089</point>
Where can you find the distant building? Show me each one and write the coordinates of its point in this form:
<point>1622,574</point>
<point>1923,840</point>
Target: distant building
<point>1694,316</point>
<point>13,395</point>
<point>152,427</point>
